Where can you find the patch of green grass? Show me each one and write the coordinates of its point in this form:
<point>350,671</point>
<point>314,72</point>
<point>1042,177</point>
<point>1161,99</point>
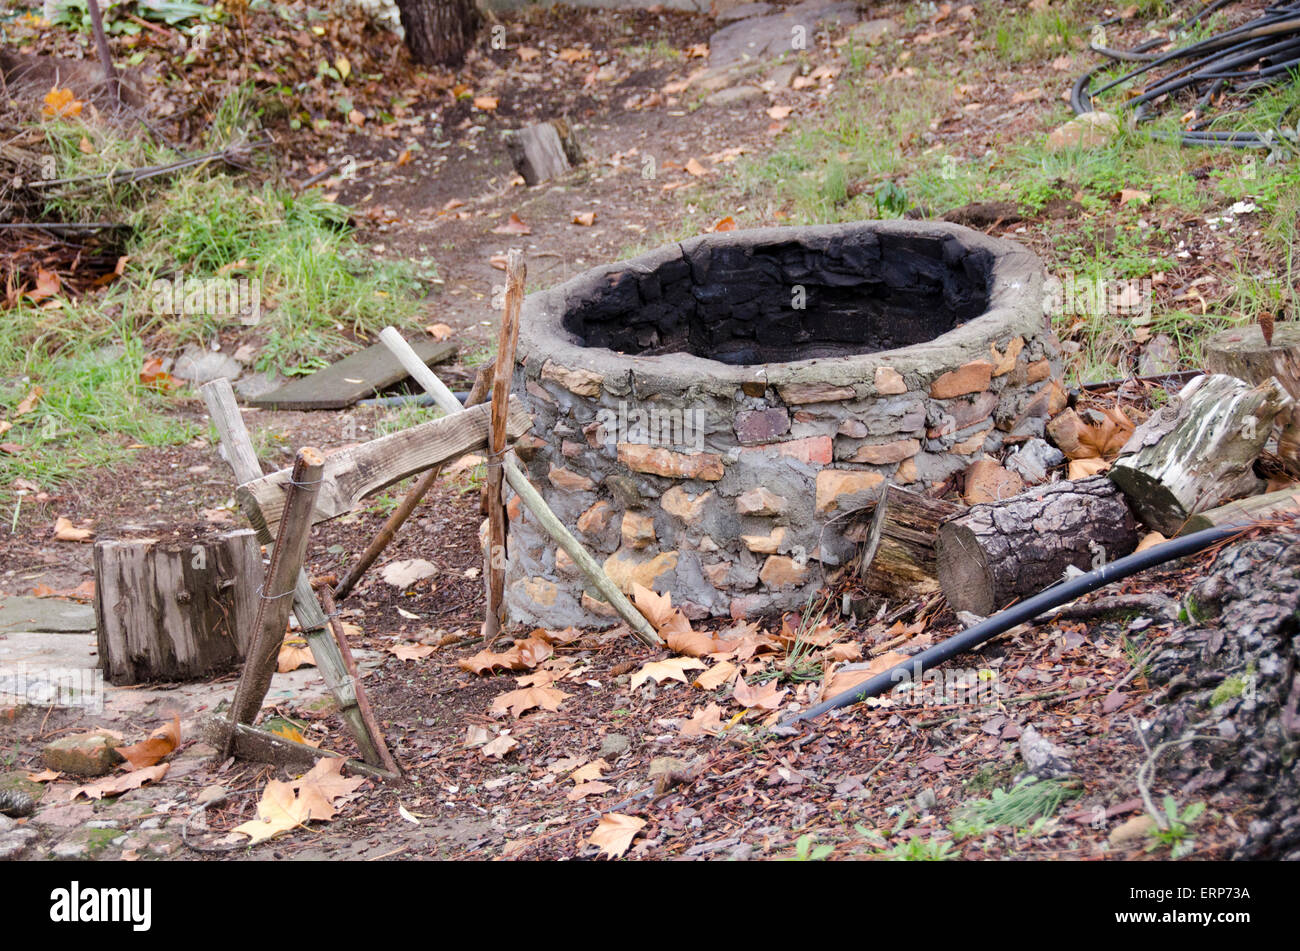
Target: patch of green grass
<point>806,849</point>
<point>914,848</point>
<point>1029,800</point>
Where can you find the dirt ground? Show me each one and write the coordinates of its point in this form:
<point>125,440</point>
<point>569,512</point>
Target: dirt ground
<point>870,781</point>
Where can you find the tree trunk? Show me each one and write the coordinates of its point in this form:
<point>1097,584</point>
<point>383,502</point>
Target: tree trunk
<point>898,558</point>
<point>175,610</point>
<point>439,32</point>
<point>1244,353</point>
<point>1001,551</point>
<point>1198,451</point>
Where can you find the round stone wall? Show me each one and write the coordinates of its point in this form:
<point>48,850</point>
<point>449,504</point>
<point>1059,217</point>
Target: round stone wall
<point>706,414</point>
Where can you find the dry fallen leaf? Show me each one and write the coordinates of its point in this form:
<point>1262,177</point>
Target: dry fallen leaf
<point>438,331</point>
<point>47,285</point>
<point>570,55</point>
<point>615,832</point>
<point>842,680</point>
<point>780,112</point>
<point>706,721</point>
<point>29,401</point>
<point>588,789</point>
<point>120,783</point>
<point>695,169</point>
<point>585,218</point>
<point>716,676</point>
<point>674,668</point>
<point>590,772</point>
<point>61,103</point>
<point>411,651</point>
<point>722,224</point>
<point>764,697</point>
<point>486,103</point>
<point>161,742</point>
<point>294,653</point>
<point>64,531</point>
<point>518,702</point>
<point>499,747</point>
<point>44,776</point>
<point>514,225</point>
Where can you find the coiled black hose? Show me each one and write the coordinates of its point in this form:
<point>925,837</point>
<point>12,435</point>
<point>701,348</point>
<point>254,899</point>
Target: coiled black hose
<point>1247,58</point>
<point>912,669</point>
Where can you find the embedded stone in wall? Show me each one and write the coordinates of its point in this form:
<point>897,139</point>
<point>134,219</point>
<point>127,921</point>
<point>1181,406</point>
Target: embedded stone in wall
<point>638,530</point>
<point>840,490</point>
<point>598,607</point>
<point>813,450</point>
<point>677,501</point>
<point>717,573</point>
<point>761,425</point>
<point>884,454</point>
<point>628,568</point>
<point>665,462</point>
<point>539,591</point>
<point>796,393</point>
<point>968,378</point>
<point>568,480</point>
<point>767,544</point>
<point>760,502</point>
<point>1005,361</point>
<point>780,571</point>
<point>954,415</point>
<point>596,519</point>
<point>889,382</point>
<point>578,381</point>
<point>972,444</point>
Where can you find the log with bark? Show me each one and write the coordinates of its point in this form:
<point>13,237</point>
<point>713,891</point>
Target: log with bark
<point>1281,505</point>
<point>898,557</point>
<point>998,552</point>
<point>169,610</point>
<point>1199,450</point>
<point>439,32</point>
<point>1244,353</point>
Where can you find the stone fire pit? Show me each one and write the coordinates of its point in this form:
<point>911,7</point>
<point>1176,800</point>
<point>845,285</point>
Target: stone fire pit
<point>706,413</point>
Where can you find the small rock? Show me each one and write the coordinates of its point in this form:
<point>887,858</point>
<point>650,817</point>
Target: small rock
<point>1139,827</point>
<point>210,794</point>
<point>614,744</point>
<point>735,96</point>
<point>200,366</point>
<point>986,481</point>
<point>926,799</point>
<point>15,842</point>
<point>783,75</point>
<point>403,574</point>
<point>1088,131</point>
<point>83,754</point>
<point>1033,459</point>
<point>743,12</point>
<point>741,853</point>
<point>1158,356</point>
<point>872,31</point>
<point>1043,758</point>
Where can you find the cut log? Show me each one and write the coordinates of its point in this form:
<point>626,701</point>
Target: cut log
<point>998,552</point>
<point>544,151</point>
<point>175,610</point>
<point>898,557</point>
<point>353,473</point>
<point>1199,450</point>
<point>1242,352</point>
<point>1271,506</point>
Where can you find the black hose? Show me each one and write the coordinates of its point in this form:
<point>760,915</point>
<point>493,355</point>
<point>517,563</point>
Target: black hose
<point>912,669</point>
<point>1241,60</point>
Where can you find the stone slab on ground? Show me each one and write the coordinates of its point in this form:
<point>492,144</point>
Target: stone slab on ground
<point>766,37</point>
<point>198,365</point>
<point>355,377</point>
<point>22,613</point>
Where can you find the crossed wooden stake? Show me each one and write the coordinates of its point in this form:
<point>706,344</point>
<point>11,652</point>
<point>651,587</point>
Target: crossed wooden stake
<point>283,506</point>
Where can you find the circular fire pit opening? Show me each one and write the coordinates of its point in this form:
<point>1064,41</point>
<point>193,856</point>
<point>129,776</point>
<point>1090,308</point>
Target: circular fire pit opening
<point>705,414</point>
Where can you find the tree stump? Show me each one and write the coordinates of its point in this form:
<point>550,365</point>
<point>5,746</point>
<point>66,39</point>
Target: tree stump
<point>1242,352</point>
<point>175,610</point>
<point>544,151</point>
<point>998,552</point>
<point>1199,450</point>
<point>898,557</point>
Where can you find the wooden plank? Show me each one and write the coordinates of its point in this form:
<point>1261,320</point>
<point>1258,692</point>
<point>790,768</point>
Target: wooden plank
<point>281,577</point>
<point>1271,506</point>
<point>351,474</point>
<point>355,377</point>
<point>220,399</point>
<point>495,570</point>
